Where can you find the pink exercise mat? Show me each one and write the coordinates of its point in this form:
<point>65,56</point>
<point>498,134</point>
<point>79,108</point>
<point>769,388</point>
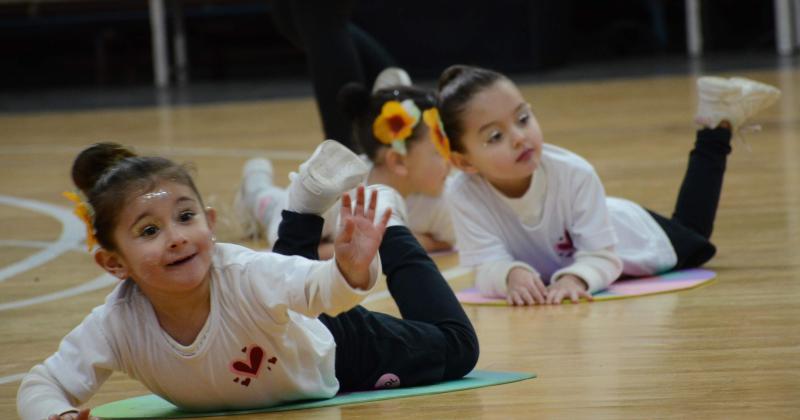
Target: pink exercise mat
<point>620,289</point>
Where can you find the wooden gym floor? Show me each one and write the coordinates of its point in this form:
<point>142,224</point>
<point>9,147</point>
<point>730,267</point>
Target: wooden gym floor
<point>728,350</point>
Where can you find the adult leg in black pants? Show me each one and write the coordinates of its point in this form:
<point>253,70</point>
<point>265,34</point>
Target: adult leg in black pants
<point>337,52</point>
<point>433,342</point>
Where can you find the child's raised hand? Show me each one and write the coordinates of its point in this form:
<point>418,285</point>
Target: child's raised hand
<point>525,288</point>
<point>567,286</point>
<point>359,240</point>
<point>81,415</point>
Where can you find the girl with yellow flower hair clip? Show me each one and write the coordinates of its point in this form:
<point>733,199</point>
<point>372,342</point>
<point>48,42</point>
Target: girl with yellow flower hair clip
<point>398,129</point>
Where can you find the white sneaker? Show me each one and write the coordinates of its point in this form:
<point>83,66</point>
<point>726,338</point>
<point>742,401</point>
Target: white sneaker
<point>389,77</point>
<point>257,175</point>
<point>321,180</point>
<point>735,100</point>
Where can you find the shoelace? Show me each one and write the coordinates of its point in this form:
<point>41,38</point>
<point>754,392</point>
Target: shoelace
<point>740,134</point>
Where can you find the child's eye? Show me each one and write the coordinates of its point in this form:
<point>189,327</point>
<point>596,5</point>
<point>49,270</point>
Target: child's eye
<point>524,118</point>
<point>149,230</point>
<point>494,137</point>
<point>186,216</point>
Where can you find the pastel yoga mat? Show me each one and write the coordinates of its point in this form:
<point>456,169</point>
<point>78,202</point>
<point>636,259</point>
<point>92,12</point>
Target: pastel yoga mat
<point>153,407</point>
<point>620,289</point>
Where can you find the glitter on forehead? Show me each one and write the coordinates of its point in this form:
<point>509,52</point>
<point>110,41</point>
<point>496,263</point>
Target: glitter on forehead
<point>154,195</point>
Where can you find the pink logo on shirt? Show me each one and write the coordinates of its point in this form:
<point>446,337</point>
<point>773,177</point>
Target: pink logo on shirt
<point>564,247</point>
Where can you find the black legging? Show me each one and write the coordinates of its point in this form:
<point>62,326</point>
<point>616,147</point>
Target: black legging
<point>691,224</point>
<point>433,342</point>
<point>337,52</point>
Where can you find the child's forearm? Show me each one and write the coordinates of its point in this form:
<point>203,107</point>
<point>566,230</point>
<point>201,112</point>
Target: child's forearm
<point>40,395</point>
<point>327,289</point>
<point>491,278</point>
<point>598,269</point>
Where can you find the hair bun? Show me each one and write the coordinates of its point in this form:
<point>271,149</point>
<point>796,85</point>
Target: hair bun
<point>92,162</point>
<point>354,100</point>
<point>449,74</point>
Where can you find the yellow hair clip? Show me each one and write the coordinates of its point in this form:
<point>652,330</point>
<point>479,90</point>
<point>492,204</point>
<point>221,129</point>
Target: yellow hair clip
<point>82,210</point>
<point>438,136</point>
<point>395,123</point>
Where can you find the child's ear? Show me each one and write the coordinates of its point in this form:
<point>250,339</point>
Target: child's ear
<point>396,162</point>
<point>211,217</point>
<point>112,263</point>
<point>461,161</point>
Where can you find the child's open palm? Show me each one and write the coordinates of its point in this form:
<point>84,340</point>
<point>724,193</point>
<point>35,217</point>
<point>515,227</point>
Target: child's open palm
<point>358,242</point>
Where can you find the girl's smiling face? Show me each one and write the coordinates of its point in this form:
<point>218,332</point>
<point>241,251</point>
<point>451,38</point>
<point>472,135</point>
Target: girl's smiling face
<point>164,240</point>
<point>501,138</point>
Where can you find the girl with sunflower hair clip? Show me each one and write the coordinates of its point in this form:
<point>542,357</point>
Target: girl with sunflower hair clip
<point>398,129</point>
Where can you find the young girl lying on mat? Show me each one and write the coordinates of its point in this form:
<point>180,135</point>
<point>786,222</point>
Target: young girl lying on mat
<point>409,157</point>
<point>211,326</point>
<point>534,218</point>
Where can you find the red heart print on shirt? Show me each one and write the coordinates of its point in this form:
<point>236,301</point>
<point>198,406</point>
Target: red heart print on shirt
<point>251,366</point>
<point>564,247</point>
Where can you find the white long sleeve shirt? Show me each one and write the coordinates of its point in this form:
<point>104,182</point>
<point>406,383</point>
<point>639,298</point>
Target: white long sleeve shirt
<point>261,343</point>
<point>563,224</point>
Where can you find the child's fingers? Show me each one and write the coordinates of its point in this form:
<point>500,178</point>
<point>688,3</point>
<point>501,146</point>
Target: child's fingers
<point>360,201</point>
<point>586,294</point>
<point>522,297</point>
<point>516,299</point>
<point>347,202</point>
<point>381,226</point>
<point>528,297</point>
<point>573,296</point>
<point>373,202</point>
<point>537,295</point>
<point>539,285</point>
<point>346,235</point>
<point>555,297</point>
<point>551,297</point>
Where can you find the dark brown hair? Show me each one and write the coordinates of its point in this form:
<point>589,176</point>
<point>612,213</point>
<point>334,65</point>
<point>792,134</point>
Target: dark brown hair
<point>107,173</point>
<point>363,108</point>
<point>457,86</point>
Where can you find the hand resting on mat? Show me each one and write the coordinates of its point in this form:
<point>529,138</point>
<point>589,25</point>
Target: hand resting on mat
<point>525,288</point>
<point>567,286</point>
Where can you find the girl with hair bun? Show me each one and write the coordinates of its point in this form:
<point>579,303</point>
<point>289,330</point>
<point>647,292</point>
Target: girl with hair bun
<point>398,130</point>
<point>534,219</point>
<point>211,326</point>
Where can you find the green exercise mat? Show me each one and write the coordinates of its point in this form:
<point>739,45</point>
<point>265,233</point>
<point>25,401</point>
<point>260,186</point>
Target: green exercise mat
<point>154,407</point>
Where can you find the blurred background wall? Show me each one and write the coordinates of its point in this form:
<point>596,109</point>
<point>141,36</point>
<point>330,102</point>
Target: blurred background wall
<point>105,43</point>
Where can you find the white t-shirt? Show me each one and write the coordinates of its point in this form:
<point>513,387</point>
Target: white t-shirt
<point>426,214</point>
<point>261,344</point>
<point>575,216</point>
<point>430,215</point>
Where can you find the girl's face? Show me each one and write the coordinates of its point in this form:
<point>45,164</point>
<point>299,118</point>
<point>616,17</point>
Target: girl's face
<point>427,169</point>
<point>164,240</point>
<point>502,139</point>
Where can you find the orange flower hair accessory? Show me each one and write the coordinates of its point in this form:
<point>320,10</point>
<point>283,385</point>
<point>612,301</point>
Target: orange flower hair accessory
<point>83,211</point>
<point>395,123</point>
<point>438,136</point>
